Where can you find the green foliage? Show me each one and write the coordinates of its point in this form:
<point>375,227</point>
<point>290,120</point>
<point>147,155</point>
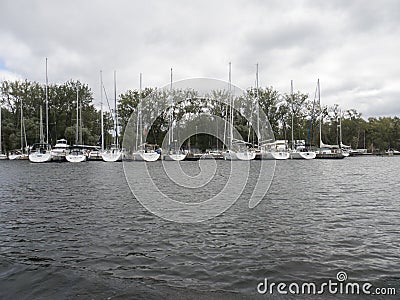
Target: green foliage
<point>31,96</point>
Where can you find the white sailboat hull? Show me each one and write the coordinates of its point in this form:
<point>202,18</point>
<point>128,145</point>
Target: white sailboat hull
<point>14,156</point>
<point>275,155</point>
<point>37,157</point>
<point>303,155</point>
<point>176,157</point>
<point>112,156</point>
<point>231,155</point>
<point>146,156</point>
<point>246,155</point>
<point>76,158</point>
<point>18,156</point>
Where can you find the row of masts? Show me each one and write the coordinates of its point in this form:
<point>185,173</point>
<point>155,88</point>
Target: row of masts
<point>229,114</point>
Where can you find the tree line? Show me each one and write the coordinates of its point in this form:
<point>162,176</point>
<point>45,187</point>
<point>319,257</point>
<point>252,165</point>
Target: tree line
<point>375,134</point>
<point>62,112</point>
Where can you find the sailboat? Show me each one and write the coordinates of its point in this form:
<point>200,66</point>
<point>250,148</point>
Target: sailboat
<point>326,151</point>
<point>114,153</point>
<point>234,151</point>
<point>298,151</point>
<point>276,150</point>
<point>96,154</point>
<point>77,153</point>
<point>301,151</point>
<point>20,154</point>
<point>41,152</point>
<point>174,151</point>
<point>144,151</point>
<point>269,150</point>
<point>2,155</point>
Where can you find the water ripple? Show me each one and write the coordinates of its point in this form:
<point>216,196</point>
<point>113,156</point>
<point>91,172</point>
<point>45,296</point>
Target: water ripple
<point>319,217</point>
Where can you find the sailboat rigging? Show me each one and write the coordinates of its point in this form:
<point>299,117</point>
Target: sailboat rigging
<point>77,152</point>
<point>41,152</point>
<point>298,151</point>
<point>174,152</point>
<point>326,151</point>
<point>237,149</point>
<point>268,149</point>
<point>114,153</point>
<point>144,151</point>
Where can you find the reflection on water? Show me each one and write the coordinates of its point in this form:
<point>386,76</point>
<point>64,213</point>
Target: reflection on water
<point>76,229</point>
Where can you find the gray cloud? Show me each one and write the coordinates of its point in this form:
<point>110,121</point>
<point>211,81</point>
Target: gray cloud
<point>352,46</point>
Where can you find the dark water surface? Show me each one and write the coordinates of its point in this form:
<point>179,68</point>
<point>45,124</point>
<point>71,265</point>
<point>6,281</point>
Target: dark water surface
<point>75,231</point>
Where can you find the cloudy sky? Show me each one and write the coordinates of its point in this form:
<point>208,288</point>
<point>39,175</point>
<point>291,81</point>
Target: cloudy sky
<point>353,47</point>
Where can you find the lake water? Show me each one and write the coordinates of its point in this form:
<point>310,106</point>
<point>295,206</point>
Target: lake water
<point>76,231</point>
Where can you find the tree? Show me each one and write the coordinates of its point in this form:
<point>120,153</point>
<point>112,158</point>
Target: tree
<point>62,111</point>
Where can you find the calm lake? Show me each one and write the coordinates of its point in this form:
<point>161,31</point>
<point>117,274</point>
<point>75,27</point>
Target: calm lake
<point>75,231</point>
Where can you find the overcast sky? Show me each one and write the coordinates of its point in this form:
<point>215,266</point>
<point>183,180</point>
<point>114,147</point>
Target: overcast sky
<point>353,47</point>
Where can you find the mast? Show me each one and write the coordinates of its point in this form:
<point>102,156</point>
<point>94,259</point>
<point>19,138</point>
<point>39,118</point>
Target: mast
<point>171,117</point>
<point>340,129</point>
<point>140,110</point>
<point>231,108</point>
<point>26,142</point>
<point>310,135</point>
<point>226,120</point>
<point>1,149</point>
<point>320,113</point>
<point>170,86</point>
<point>116,111</point>
<point>77,116</point>
<point>258,108</point>
<point>101,110</point>
<point>47,106</point>
<point>22,137</point>
<point>291,92</point>
<point>80,124</point>
<point>138,113</point>
<point>41,135</point>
